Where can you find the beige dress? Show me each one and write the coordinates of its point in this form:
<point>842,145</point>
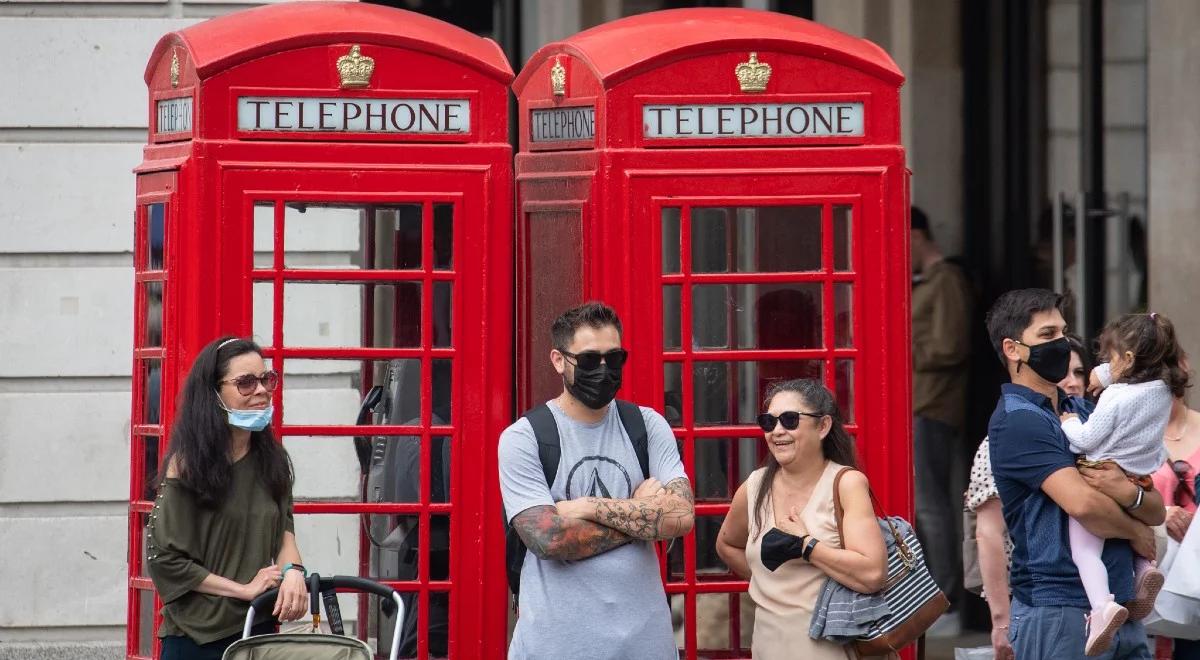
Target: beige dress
<point>785,597</point>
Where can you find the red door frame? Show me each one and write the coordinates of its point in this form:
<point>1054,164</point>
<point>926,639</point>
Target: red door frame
<point>469,350</point>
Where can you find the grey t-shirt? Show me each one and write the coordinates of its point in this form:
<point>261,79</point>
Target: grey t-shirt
<point>611,606</point>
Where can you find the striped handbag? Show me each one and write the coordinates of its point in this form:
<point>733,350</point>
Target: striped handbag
<point>912,596</point>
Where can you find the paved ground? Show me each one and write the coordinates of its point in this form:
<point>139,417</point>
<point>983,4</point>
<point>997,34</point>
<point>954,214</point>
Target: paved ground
<point>943,648</point>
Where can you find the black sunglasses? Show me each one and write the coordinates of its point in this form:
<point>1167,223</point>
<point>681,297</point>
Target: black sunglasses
<point>248,383</point>
<point>789,419</point>
<point>1184,490</point>
<point>590,360</point>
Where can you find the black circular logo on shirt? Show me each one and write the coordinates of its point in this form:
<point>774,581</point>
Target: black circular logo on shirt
<point>587,478</point>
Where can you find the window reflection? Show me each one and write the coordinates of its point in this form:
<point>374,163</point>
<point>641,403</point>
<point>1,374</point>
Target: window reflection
<point>772,316</point>
<point>443,306</point>
<point>841,237</point>
<point>843,386</point>
<point>670,239</point>
<point>325,392</point>
<point>843,315</point>
<point>756,239</point>
<point>443,236</point>
<point>320,236</point>
<point>709,565</point>
<point>722,464</point>
<point>151,393</point>
<point>671,316</point>
<point>154,314</point>
<point>322,314</point>
<point>156,235</point>
<point>732,392</point>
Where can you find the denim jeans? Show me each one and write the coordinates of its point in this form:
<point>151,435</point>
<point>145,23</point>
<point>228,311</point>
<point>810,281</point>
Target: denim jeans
<point>1059,633</point>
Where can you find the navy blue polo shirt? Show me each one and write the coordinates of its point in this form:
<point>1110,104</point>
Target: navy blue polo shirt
<point>1028,445</point>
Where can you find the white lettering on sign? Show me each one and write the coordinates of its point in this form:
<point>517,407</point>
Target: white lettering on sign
<point>174,115</point>
<point>341,115</point>
<point>754,120</point>
<point>562,124</point>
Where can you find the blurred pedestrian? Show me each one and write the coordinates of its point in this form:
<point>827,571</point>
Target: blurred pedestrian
<point>1176,482</point>
<point>941,310</point>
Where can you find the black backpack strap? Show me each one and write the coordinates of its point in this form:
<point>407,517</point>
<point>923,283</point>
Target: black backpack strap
<point>635,426</point>
<point>545,429</point>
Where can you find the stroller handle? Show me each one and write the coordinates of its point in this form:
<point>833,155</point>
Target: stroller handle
<point>267,598</point>
<point>391,603</point>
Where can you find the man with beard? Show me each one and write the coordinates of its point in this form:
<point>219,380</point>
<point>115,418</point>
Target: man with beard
<point>590,586</point>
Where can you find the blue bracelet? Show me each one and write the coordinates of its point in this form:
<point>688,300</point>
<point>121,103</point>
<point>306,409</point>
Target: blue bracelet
<point>290,566</point>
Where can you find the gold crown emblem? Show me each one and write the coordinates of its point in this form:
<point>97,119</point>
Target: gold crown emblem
<point>753,75</point>
<point>174,68</point>
<point>558,78</point>
<point>355,69</point>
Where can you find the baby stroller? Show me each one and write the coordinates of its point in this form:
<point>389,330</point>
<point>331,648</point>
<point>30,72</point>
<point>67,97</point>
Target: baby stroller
<point>314,645</point>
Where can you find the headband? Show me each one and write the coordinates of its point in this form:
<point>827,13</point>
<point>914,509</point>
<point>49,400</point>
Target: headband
<point>226,343</point>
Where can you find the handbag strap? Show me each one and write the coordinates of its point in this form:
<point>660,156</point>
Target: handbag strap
<point>906,554</point>
<point>837,502</point>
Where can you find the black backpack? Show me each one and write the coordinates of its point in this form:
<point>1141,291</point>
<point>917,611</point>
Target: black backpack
<point>545,429</point>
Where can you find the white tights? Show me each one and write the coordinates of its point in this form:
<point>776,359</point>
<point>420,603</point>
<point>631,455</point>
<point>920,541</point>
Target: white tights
<point>1086,548</point>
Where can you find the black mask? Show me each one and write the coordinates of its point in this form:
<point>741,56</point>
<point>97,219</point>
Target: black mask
<point>1051,360</point>
<point>594,388</point>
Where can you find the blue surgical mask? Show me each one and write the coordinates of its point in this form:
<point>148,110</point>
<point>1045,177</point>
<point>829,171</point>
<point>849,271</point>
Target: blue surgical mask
<point>250,420</point>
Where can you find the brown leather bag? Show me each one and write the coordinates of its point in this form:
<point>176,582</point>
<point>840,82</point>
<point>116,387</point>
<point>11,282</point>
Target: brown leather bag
<point>910,591</point>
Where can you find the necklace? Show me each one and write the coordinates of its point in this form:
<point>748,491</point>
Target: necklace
<point>1177,438</point>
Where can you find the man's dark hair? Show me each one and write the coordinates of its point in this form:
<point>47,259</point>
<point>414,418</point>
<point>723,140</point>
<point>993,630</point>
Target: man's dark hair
<point>592,314</point>
<point>920,222</point>
<point>1013,312</point>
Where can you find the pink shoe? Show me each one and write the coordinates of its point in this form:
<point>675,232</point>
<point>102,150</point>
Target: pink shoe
<point>1102,626</point>
<point>1146,587</point>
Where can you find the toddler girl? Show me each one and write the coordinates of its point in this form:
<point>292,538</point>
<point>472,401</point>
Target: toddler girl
<point>1140,380</point>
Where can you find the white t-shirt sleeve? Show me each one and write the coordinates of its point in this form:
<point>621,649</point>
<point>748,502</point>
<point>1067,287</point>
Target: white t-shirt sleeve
<point>665,464</point>
<point>522,483</point>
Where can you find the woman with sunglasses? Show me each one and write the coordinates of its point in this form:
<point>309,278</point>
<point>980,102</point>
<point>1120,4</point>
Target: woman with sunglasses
<point>781,532</point>
<point>221,532</point>
<point>1176,482</point>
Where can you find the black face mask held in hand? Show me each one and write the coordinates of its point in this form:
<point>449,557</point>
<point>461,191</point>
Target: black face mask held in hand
<point>1051,360</point>
<point>595,388</point>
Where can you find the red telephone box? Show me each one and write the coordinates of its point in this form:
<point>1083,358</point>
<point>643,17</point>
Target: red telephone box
<point>334,180</point>
<point>732,181</point>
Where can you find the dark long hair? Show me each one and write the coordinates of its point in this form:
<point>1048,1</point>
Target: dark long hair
<point>836,446</point>
<point>1085,359</point>
<point>1156,352</point>
<point>200,435</point>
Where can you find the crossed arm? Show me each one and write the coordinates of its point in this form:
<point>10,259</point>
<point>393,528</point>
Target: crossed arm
<point>588,526</point>
<point>1099,512</point>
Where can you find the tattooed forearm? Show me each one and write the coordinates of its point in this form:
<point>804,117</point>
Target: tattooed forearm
<point>665,516</point>
<point>551,536</point>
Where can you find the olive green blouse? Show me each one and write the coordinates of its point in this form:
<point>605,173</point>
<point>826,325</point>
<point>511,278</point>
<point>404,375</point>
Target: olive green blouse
<point>185,542</point>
